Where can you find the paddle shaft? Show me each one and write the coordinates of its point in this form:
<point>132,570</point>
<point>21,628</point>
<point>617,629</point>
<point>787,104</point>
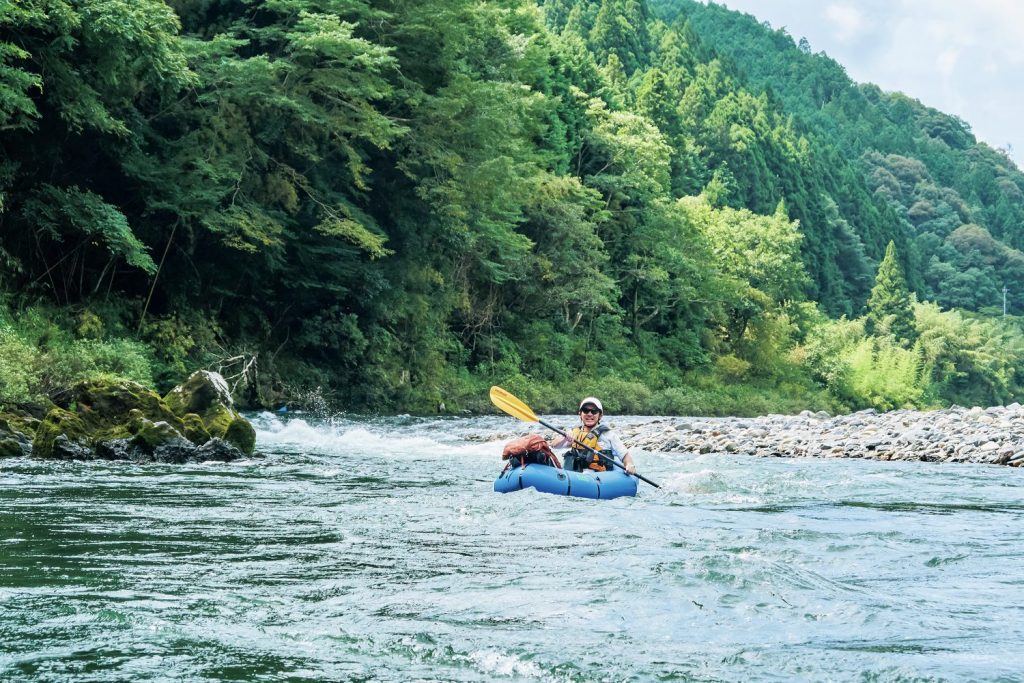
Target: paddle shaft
<point>603,457</point>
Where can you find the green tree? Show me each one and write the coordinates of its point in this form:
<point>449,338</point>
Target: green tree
<point>759,257</point>
<point>75,82</point>
<point>620,28</point>
<point>891,306</point>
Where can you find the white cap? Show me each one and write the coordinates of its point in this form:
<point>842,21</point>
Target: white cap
<point>591,399</point>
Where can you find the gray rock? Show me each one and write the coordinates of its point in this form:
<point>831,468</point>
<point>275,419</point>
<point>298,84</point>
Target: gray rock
<point>14,445</point>
<point>219,450</point>
<point>66,449</point>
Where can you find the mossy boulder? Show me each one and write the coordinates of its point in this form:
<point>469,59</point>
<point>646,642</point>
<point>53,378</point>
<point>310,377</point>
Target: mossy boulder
<point>16,433</point>
<point>218,419</point>
<point>123,420</point>
<point>106,405</point>
<point>14,423</point>
<point>61,434</point>
<point>241,434</point>
<point>149,441</point>
<point>11,448</point>
<point>207,395</point>
<point>195,430</point>
<point>201,392</point>
<point>103,411</point>
<point>151,435</point>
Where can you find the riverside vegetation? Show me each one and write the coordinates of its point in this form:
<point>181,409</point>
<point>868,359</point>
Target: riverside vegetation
<point>392,205</point>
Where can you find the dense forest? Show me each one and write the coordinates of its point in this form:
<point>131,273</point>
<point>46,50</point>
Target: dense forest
<point>387,205</point>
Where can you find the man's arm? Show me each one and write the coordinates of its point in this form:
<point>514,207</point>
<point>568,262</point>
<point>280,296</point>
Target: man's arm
<point>627,462</point>
<point>620,449</point>
<point>561,442</point>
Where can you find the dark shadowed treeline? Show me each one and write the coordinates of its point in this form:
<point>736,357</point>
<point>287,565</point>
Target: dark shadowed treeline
<point>393,205</point>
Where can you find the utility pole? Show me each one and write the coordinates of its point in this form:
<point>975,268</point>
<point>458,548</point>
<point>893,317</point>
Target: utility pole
<point>1004,301</point>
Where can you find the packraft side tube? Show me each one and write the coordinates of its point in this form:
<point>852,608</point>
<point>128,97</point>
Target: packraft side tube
<point>546,479</point>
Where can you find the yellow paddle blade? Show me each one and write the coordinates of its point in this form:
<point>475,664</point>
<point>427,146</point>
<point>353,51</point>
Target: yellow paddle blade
<point>512,405</point>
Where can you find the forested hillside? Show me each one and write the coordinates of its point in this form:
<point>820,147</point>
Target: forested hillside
<point>961,202</point>
<point>391,205</point>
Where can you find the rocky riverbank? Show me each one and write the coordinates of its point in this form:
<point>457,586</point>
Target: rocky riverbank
<point>121,420</point>
<point>993,436</point>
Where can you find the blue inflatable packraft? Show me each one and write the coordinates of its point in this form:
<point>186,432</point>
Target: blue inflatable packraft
<point>547,479</point>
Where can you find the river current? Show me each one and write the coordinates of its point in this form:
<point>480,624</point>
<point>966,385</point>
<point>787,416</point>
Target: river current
<point>376,550</point>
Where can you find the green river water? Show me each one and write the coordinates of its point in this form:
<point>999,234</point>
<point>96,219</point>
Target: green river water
<point>375,550</point>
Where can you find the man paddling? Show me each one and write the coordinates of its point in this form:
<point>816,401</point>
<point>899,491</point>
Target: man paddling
<point>597,436</point>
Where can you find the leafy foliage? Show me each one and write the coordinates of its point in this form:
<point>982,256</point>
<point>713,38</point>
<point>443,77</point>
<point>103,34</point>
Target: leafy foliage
<point>57,212</point>
<point>395,204</point>
<point>39,360</point>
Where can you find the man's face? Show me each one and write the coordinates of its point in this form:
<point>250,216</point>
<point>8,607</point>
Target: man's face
<point>590,415</point>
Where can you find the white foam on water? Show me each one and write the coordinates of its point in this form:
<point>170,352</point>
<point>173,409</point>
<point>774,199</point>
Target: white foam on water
<point>493,662</point>
<point>339,438</point>
<point>710,486</point>
<point>702,481</point>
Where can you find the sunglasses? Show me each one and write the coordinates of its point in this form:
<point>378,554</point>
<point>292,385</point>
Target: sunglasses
<point>590,411</point>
